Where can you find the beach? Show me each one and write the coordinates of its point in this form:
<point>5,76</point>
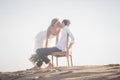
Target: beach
<point>94,72</point>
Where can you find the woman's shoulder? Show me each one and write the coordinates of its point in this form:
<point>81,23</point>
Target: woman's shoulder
<point>41,33</point>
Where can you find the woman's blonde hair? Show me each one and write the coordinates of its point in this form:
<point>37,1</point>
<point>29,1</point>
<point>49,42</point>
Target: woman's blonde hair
<point>52,25</point>
<point>54,21</point>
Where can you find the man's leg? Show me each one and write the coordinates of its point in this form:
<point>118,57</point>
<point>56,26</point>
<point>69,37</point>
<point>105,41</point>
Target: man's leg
<point>44,52</point>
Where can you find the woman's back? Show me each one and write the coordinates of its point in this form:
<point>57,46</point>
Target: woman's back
<point>40,40</point>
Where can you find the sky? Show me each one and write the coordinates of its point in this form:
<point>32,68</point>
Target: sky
<point>94,23</point>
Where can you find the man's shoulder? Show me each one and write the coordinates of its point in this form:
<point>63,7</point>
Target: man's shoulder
<point>66,27</point>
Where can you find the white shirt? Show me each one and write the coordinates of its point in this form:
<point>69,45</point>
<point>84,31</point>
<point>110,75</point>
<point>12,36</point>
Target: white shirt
<point>40,40</point>
<point>62,43</point>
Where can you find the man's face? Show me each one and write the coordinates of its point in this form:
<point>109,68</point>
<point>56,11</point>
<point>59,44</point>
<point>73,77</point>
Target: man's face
<point>63,24</point>
<point>68,23</point>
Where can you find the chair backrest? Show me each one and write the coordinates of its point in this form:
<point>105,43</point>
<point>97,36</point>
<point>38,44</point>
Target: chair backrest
<point>67,45</point>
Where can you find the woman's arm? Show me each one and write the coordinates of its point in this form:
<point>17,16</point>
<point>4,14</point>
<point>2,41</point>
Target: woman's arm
<point>46,45</point>
<point>49,32</point>
<point>57,38</point>
<point>47,37</point>
<point>57,35</point>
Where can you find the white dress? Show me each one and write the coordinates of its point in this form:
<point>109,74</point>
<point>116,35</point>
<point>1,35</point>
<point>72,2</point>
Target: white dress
<point>40,41</point>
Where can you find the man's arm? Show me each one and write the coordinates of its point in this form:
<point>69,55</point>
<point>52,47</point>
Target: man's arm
<point>71,37</point>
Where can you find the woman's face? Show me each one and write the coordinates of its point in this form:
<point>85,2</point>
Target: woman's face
<point>57,30</point>
<point>58,24</point>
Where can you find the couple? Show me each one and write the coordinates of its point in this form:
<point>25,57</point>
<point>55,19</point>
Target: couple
<point>53,30</point>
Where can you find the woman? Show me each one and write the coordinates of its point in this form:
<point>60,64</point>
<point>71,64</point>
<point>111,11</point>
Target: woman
<point>43,38</point>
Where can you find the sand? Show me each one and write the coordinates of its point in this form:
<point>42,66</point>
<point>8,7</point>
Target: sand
<point>103,72</point>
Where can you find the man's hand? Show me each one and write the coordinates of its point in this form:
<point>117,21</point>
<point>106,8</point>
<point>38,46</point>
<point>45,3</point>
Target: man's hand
<point>70,46</point>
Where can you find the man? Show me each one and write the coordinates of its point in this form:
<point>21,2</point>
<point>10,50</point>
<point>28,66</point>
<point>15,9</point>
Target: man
<point>61,46</point>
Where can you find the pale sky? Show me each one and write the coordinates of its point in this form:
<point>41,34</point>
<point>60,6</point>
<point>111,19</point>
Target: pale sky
<point>94,23</point>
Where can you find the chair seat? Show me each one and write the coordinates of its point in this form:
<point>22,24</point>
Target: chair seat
<point>60,54</point>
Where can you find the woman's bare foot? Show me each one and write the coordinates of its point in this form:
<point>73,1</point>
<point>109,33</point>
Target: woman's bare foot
<point>34,68</point>
<point>50,65</point>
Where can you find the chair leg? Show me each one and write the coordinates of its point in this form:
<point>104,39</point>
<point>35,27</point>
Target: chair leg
<point>52,61</point>
<point>71,60</point>
<point>57,61</point>
<point>68,60</point>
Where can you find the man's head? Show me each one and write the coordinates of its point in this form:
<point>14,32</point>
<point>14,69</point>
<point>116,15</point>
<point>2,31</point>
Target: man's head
<point>66,22</point>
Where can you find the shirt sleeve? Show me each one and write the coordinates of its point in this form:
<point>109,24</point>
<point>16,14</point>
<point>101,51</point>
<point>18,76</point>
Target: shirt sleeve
<point>71,35</point>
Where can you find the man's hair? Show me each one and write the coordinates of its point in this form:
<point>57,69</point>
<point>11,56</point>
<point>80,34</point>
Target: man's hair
<point>66,21</point>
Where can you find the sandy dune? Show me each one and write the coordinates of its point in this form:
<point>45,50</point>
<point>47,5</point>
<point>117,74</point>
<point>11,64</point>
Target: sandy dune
<point>105,72</point>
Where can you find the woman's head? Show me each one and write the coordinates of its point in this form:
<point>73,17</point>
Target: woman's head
<point>55,27</point>
<point>54,21</point>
